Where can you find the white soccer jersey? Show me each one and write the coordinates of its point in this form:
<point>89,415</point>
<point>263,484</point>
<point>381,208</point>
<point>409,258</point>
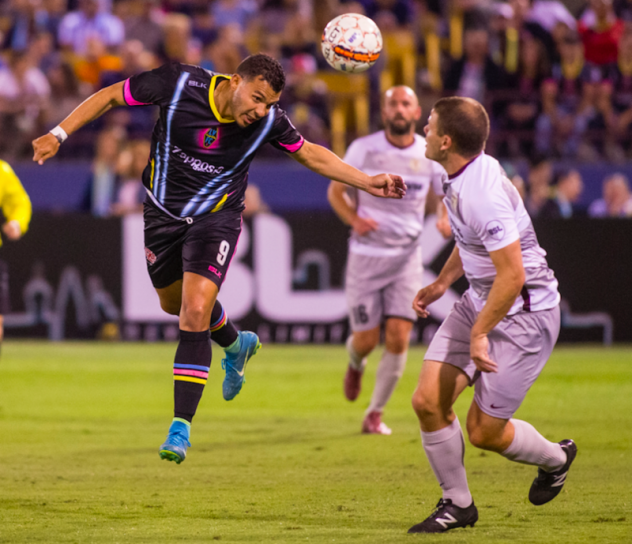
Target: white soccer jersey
<point>486,214</point>
<point>400,222</point>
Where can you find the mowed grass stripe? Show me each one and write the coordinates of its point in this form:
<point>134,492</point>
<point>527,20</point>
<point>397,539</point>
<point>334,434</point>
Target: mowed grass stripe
<point>81,423</point>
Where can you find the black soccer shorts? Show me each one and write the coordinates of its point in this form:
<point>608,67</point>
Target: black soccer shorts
<point>205,246</point>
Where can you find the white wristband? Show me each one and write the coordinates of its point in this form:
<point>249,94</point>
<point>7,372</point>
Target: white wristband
<point>60,134</point>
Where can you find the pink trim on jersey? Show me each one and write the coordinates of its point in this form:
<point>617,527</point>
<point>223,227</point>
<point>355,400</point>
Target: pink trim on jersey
<point>195,373</point>
<point>293,148</point>
<point>129,99</point>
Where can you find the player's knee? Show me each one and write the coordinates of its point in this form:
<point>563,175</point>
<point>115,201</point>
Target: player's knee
<point>195,314</point>
<point>424,406</point>
<point>397,344</point>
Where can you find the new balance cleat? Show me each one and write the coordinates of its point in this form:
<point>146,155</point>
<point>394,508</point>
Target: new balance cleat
<point>373,424</point>
<point>352,383</point>
<point>548,485</point>
<point>175,447</point>
<point>447,516</point>
<point>235,364</point>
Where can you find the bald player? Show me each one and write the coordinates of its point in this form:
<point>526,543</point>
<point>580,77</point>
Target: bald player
<point>384,266</point>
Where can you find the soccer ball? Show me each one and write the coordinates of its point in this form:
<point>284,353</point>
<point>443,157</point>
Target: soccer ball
<point>351,43</point>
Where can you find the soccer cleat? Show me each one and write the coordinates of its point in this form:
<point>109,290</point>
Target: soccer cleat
<point>352,383</point>
<point>547,485</point>
<point>373,424</point>
<point>175,447</point>
<point>235,364</point>
<point>445,517</point>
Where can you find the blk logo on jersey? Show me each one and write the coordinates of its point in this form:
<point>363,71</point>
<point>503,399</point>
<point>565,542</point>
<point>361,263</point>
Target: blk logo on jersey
<point>209,137</point>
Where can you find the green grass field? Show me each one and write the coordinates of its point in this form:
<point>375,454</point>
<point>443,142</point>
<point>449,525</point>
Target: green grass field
<point>80,427</point>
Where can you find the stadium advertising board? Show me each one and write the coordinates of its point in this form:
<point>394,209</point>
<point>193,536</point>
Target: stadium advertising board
<point>71,274</point>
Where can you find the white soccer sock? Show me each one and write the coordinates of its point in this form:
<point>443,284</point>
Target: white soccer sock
<point>531,448</point>
<point>389,372</point>
<point>355,359</point>
<point>445,449</point>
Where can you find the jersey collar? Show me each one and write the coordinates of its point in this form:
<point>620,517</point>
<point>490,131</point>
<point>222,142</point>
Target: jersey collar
<point>211,99</point>
<point>462,169</point>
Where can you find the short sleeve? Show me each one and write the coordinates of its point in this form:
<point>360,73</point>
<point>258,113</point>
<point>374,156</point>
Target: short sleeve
<point>153,87</point>
<point>493,217</point>
<point>355,155</point>
<point>284,135</point>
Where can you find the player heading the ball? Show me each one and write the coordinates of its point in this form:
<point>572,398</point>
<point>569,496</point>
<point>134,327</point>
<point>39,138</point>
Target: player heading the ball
<point>209,130</point>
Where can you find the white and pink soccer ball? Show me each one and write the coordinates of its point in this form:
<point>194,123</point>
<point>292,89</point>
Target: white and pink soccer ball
<point>351,43</point>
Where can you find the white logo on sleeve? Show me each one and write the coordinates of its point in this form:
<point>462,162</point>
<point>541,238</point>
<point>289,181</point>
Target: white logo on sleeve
<point>495,229</point>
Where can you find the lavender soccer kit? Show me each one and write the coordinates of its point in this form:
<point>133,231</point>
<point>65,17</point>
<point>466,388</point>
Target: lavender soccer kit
<point>487,214</point>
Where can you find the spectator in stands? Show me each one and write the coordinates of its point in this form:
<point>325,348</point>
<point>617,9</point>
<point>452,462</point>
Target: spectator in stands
<point>142,24</point>
<point>567,101</point>
<point>305,99</point>
<point>568,189</point>
<point>24,101</point>
<point>66,92</point>
<point>130,192</point>
<point>239,12</point>
<point>523,87</point>
<point>539,183</point>
<point>177,34</point>
<point>616,200</point>
<point>476,72</point>
<point>97,59</point>
<point>102,189</point>
<point>601,30</point>
<point>27,19</point>
<point>549,14</point>
<point>228,50</point>
<point>79,28</point>
<point>619,90</point>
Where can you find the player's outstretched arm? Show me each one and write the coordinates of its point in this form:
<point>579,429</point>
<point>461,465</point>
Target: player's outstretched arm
<point>90,109</point>
<point>452,270</point>
<point>324,162</point>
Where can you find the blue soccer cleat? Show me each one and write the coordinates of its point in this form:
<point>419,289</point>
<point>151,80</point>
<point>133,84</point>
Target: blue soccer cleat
<point>235,364</point>
<point>175,447</point>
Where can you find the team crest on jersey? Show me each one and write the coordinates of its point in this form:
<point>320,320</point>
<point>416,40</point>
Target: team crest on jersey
<point>209,137</point>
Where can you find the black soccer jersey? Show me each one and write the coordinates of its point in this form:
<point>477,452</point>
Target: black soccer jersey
<point>199,161</point>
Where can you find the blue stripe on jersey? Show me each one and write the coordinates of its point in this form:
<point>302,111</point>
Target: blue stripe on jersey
<point>190,208</point>
<point>157,165</point>
<point>161,190</point>
<point>191,367</point>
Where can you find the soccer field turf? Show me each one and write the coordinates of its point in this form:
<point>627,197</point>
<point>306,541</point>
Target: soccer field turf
<point>81,423</point>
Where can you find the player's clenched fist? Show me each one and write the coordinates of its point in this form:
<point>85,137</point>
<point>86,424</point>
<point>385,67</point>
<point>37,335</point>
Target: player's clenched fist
<point>387,185</point>
<point>44,148</point>
<point>426,297</point>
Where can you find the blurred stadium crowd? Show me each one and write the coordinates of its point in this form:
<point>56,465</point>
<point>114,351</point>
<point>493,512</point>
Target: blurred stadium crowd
<point>555,76</point>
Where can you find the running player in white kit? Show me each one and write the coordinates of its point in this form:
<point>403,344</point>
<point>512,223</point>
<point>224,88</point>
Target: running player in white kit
<point>499,336</point>
<point>384,266</point>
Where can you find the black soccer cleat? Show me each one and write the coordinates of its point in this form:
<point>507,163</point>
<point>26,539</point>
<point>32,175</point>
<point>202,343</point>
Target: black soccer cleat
<point>447,516</point>
<point>548,485</point>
